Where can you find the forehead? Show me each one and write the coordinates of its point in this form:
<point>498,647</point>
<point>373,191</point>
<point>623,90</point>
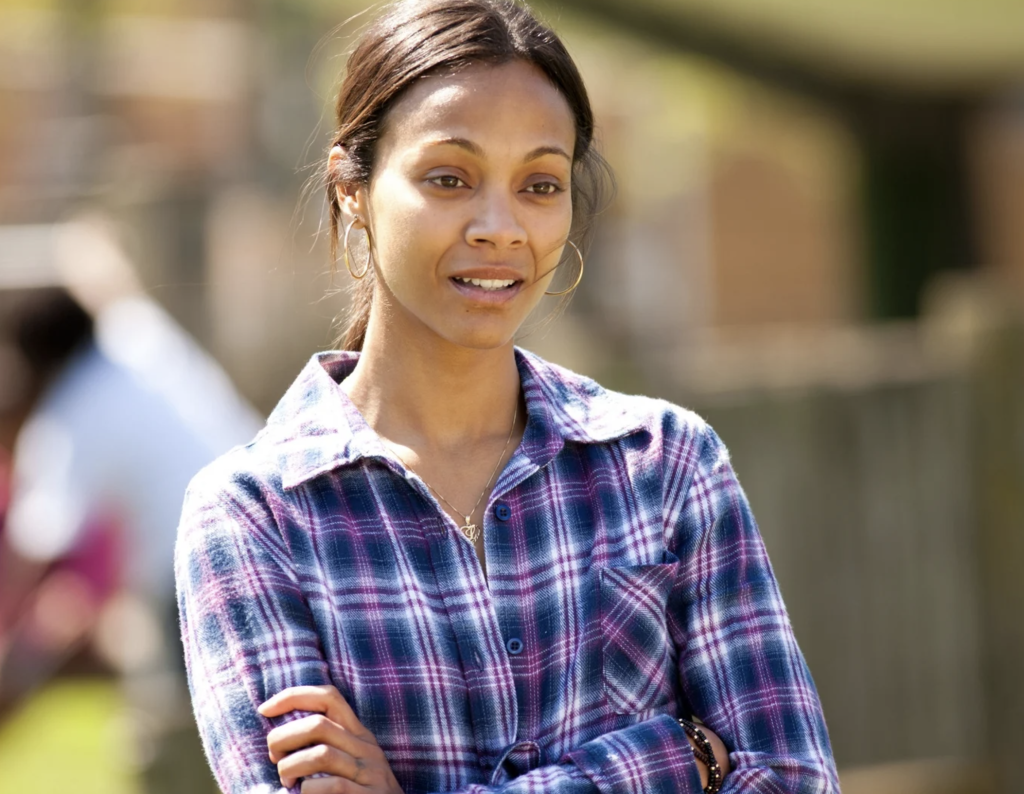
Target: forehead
<point>508,106</point>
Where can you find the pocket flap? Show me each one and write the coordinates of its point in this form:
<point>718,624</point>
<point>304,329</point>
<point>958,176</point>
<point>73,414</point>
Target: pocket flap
<point>635,635</point>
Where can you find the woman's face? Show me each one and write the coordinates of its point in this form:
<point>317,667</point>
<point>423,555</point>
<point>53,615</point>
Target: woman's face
<point>469,204</point>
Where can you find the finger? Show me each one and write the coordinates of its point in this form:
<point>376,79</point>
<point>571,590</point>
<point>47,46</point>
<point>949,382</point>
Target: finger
<point>323,699</point>
<point>308,731</point>
<point>331,785</point>
<point>311,698</point>
<point>320,758</point>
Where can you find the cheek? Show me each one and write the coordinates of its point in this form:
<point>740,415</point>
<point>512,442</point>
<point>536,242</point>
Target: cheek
<point>401,211</point>
<point>551,232</point>
<point>401,232</point>
<point>393,206</point>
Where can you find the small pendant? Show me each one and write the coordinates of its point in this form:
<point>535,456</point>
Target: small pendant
<point>470,531</point>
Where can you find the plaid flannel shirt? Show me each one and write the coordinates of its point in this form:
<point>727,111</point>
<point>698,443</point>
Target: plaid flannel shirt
<point>627,585</point>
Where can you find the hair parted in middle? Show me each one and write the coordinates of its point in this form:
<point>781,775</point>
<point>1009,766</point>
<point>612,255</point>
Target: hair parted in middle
<point>412,39</point>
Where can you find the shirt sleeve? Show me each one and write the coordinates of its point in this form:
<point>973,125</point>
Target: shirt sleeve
<point>739,664</point>
<point>651,757</point>
<point>247,630</point>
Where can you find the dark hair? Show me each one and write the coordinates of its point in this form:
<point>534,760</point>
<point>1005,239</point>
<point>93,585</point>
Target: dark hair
<point>49,326</point>
<point>416,38</point>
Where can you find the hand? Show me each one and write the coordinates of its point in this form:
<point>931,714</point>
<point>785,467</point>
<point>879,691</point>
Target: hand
<point>331,741</point>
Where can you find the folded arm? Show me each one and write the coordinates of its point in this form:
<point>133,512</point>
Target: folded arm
<point>332,742</point>
<point>246,628</point>
<point>740,667</point>
<point>249,634</point>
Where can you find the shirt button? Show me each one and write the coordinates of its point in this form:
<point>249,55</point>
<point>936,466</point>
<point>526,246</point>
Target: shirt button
<point>514,646</point>
<point>502,511</point>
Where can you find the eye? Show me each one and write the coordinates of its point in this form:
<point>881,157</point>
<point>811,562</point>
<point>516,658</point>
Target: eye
<point>448,181</point>
<point>544,188</point>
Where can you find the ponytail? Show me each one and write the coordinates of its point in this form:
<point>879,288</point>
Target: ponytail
<point>357,318</point>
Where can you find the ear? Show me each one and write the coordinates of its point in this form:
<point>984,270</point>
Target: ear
<point>351,197</point>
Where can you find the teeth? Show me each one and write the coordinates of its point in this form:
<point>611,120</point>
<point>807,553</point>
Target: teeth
<point>488,283</point>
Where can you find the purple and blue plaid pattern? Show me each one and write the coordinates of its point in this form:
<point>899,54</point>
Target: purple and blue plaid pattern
<point>627,584</point>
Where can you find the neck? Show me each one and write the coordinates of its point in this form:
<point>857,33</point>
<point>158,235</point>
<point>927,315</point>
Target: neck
<point>421,390</point>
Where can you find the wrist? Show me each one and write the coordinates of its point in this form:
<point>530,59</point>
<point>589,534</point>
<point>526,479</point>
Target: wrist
<point>702,765</point>
<point>711,772</point>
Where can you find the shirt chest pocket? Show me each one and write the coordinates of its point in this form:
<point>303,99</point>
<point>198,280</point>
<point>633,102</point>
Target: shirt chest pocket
<point>636,655</point>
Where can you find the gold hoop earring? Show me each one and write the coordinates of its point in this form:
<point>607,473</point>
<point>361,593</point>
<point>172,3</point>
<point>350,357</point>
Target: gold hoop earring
<point>348,264</point>
<point>579,278</point>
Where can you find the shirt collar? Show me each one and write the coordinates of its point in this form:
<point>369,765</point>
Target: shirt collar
<point>317,428</point>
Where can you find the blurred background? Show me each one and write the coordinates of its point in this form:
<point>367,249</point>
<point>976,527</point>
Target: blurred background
<point>818,244</point>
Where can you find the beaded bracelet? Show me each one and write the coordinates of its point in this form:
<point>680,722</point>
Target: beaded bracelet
<point>704,753</point>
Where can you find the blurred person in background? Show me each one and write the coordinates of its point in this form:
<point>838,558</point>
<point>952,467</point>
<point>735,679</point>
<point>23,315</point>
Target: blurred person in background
<point>117,414</point>
<point>446,564</point>
<point>47,604</point>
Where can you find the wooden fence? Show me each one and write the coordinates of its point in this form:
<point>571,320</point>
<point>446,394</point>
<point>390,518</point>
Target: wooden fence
<point>892,504</point>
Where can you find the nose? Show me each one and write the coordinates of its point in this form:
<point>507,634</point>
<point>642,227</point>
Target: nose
<point>495,221</point>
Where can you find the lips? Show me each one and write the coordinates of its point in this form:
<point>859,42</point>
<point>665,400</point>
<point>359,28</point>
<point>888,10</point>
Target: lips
<point>489,284</point>
<point>489,291</point>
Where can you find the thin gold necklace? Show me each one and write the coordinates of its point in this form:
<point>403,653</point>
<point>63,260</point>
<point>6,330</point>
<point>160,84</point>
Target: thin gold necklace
<point>469,530</point>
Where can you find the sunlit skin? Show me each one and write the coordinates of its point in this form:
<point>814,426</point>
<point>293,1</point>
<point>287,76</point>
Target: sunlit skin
<point>471,179</point>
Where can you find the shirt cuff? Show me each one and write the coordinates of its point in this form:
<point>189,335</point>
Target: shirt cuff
<point>651,757</point>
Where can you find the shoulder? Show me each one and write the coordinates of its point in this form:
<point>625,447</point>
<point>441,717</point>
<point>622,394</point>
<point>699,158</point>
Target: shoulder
<point>590,409</point>
<point>232,522</point>
<point>245,474</point>
<point>237,492</point>
<point>654,436</point>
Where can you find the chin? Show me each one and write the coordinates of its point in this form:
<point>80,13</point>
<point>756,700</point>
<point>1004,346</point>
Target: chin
<point>481,338</point>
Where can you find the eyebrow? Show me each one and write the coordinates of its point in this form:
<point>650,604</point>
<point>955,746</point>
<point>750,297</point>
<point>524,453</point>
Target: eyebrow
<point>472,148</point>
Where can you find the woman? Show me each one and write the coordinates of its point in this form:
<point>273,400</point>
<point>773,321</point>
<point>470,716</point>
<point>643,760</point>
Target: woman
<point>445,564</point>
